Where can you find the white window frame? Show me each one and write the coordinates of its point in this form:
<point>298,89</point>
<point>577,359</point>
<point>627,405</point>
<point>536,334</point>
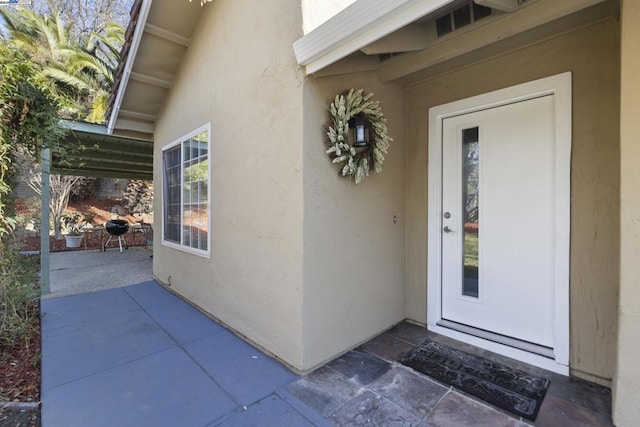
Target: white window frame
<point>179,246</point>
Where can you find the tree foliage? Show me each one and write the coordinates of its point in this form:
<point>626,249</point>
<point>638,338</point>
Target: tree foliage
<point>28,118</point>
<point>84,189</point>
<point>48,68</point>
<point>61,189</point>
<point>83,68</point>
<point>138,196</point>
<point>88,16</point>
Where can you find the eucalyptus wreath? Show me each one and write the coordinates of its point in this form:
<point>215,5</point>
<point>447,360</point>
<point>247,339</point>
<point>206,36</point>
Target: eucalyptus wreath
<point>357,161</point>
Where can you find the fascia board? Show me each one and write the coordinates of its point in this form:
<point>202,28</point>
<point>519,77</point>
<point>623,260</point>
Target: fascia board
<point>135,43</point>
<point>76,125</point>
<point>357,26</point>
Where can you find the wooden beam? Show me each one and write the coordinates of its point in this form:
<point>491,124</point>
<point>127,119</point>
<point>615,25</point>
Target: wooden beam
<point>99,143</point>
<point>408,39</point>
<point>138,115</point>
<point>138,126</point>
<point>105,165</point>
<point>103,173</point>
<point>503,5</point>
<point>167,35</point>
<point>527,18</point>
<point>111,148</point>
<point>154,81</point>
<point>114,155</point>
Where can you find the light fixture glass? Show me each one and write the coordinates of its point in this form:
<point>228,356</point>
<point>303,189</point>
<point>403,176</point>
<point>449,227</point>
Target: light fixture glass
<point>361,132</point>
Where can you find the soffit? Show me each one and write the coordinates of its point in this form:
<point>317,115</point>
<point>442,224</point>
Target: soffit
<point>157,40</point>
<point>405,36</point>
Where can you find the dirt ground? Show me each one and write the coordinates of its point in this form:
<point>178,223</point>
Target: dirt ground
<point>99,209</point>
<point>20,378</point>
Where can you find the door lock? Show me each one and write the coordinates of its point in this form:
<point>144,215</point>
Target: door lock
<point>447,215</point>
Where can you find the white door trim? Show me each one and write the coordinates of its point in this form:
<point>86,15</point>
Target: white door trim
<point>560,87</point>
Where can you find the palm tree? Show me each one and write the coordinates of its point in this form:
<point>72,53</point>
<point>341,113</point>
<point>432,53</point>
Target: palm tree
<point>83,73</point>
<point>92,68</point>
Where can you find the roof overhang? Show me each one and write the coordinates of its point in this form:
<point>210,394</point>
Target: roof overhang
<point>357,26</point>
<point>156,41</point>
<point>92,152</point>
<point>367,28</point>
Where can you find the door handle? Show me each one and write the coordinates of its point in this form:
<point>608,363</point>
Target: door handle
<point>447,229</point>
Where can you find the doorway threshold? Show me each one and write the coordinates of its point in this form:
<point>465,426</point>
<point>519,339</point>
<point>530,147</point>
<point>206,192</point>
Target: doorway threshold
<point>498,338</point>
<point>512,352</point>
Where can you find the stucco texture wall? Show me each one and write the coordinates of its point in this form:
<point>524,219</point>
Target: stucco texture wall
<point>240,74</point>
<point>591,53</point>
<point>626,389</point>
<point>353,248</point>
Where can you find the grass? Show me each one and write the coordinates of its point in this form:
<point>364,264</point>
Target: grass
<point>470,249</point>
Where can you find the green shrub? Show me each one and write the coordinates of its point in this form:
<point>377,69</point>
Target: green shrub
<point>19,293</point>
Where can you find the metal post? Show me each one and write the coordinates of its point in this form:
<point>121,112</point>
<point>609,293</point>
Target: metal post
<point>45,198</point>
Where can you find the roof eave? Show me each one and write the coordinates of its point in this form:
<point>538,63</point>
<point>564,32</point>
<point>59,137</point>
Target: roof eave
<point>357,26</point>
<point>131,55</point>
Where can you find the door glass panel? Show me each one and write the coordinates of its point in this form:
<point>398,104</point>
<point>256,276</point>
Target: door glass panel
<point>470,200</point>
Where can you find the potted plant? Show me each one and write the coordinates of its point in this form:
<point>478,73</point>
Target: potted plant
<point>73,223</point>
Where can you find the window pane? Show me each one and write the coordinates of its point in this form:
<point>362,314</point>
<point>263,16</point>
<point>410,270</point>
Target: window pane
<point>194,188</point>
<point>185,192</point>
<point>186,150</point>
<point>171,196</point>
<point>470,204</point>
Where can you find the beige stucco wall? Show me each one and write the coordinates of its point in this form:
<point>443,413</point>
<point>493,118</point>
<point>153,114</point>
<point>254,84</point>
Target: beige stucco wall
<point>240,74</point>
<point>591,53</point>
<point>626,387</point>
<point>353,249</point>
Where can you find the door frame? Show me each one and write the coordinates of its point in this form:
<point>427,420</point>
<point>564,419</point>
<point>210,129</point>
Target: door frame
<point>560,87</point>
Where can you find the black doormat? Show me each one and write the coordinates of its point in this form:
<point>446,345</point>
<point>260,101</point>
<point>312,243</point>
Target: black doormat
<point>507,388</point>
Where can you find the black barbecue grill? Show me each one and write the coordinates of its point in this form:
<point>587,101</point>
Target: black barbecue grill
<point>116,228</point>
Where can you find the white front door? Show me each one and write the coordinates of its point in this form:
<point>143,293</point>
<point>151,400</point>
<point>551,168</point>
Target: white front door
<point>503,204</point>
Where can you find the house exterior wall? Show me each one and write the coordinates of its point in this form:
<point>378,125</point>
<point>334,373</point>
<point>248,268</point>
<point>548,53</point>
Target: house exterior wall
<point>591,53</point>
<point>240,75</point>
<point>353,248</point>
<point>626,386</point>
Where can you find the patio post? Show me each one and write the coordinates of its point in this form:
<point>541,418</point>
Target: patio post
<point>45,197</point>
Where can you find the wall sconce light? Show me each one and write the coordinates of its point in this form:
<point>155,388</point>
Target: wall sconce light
<point>361,132</point>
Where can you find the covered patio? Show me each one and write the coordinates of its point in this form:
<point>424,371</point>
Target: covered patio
<point>92,153</point>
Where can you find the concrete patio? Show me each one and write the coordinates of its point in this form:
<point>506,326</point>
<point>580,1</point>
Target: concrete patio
<point>85,271</point>
<point>141,356</point>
